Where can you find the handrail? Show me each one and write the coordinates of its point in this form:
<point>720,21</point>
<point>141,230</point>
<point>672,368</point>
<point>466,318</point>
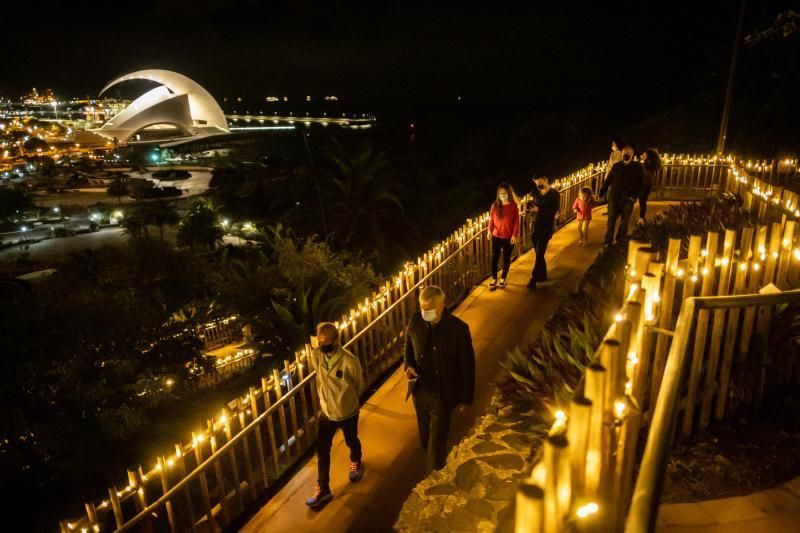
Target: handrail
<point>644,504</point>
<point>467,235</point>
<point>215,457</point>
<point>360,333</point>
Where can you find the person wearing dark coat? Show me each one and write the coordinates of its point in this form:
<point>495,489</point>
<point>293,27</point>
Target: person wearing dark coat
<point>651,163</point>
<point>545,204</point>
<point>440,365</point>
<point>622,188</point>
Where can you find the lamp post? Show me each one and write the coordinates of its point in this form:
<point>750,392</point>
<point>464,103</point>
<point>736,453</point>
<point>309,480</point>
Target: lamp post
<point>316,183</point>
<point>726,109</point>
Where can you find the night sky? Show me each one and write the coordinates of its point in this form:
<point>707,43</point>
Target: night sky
<point>648,55</point>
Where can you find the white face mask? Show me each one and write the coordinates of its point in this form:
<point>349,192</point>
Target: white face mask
<point>503,197</point>
<point>429,315</point>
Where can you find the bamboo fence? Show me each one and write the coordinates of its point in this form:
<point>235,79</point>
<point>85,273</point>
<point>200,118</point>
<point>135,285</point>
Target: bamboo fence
<point>246,447</point>
<point>584,477</point>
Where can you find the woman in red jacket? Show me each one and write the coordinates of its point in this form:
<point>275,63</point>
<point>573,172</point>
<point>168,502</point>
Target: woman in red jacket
<point>503,231</point>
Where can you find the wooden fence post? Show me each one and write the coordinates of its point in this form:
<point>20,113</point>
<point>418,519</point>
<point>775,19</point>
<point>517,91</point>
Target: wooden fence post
<point>162,470</point>
<point>711,384</point>
<point>528,516</point>
<point>276,383</point>
<point>262,461</point>
<point>237,484</point>
<point>708,272</point>
<point>665,320</point>
<point>595,379</point>
<point>273,446</point>
<point>197,441</point>
<point>222,490</point>
<point>577,435</point>
<point>248,462</point>
<point>557,489</point>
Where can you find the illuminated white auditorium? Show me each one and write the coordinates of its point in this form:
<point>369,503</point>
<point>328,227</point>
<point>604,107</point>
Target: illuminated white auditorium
<point>178,108</point>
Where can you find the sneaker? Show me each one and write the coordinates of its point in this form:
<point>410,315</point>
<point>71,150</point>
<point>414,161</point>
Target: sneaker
<point>502,283</point>
<point>319,498</point>
<point>356,470</point>
<point>493,283</point>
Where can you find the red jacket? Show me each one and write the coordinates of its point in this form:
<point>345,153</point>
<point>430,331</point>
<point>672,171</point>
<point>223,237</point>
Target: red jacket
<point>584,209</point>
<point>505,225</point>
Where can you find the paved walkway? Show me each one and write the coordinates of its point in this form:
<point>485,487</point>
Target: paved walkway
<point>393,459</point>
<point>771,511</point>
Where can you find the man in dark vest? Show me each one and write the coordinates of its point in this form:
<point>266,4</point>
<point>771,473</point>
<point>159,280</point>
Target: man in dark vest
<point>440,358</point>
<point>545,204</point>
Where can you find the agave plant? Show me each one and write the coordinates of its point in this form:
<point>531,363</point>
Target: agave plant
<point>547,374</point>
<point>694,218</point>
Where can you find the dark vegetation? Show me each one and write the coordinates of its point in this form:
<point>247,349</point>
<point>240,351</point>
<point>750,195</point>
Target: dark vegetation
<point>104,349</point>
<point>545,375</point>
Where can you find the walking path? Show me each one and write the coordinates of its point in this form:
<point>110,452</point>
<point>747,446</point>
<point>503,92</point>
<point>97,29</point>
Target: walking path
<point>771,511</point>
<point>393,459</point>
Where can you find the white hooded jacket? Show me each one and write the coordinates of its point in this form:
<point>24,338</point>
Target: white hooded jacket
<point>340,382</point>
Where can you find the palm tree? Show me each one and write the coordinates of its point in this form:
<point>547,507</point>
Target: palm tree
<point>119,187</point>
<point>362,199</point>
<point>199,228</point>
<point>162,214</point>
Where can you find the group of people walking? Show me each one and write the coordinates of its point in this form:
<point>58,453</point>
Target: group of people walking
<point>439,359</point>
<point>504,228</point>
<point>627,181</point>
<point>439,364</point>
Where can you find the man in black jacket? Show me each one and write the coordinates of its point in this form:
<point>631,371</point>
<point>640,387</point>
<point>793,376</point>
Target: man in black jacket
<point>623,185</point>
<point>440,357</point>
<point>546,202</point>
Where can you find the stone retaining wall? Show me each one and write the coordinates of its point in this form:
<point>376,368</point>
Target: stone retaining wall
<point>474,489</point>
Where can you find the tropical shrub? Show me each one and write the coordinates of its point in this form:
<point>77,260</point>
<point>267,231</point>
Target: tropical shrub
<point>547,373</point>
<point>694,218</point>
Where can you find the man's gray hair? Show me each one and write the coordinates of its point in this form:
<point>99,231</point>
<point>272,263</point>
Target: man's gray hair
<point>432,294</point>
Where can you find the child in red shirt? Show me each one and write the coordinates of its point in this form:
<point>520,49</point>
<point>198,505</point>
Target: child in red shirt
<point>503,231</point>
<point>583,213</point>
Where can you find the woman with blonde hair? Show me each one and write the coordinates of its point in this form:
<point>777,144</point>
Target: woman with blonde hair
<point>503,231</point>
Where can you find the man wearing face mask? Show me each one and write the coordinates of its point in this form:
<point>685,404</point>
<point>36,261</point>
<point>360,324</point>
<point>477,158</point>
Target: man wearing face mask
<point>440,357</point>
<point>545,203</point>
<point>623,185</point>
<point>340,382</point>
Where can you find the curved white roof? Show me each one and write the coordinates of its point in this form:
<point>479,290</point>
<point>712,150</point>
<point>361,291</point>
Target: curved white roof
<point>178,100</point>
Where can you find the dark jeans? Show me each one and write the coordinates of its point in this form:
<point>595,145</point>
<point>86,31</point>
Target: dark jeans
<point>433,418</point>
<point>540,239</point>
<point>501,245</point>
<point>621,211</point>
<point>643,201</point>
<point>327,429</point>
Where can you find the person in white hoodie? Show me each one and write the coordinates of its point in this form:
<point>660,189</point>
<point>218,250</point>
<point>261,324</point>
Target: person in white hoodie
<point>340,382</point>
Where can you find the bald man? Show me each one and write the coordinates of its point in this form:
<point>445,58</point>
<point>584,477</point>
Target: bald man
<point>340,383</point>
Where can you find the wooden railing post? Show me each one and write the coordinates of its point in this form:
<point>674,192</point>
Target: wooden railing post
<point>529,512</point>
<point>708,270</point>
<point>197,441</point>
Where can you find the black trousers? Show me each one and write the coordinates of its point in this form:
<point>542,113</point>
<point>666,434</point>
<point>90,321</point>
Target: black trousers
<point>433,418</point>
<point>540,238</point>
<point>327,429</point>
<point>622,211</point>
<point>643,201</point>
<point>505,247</point>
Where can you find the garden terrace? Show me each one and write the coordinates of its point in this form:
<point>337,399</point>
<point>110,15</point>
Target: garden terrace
<point>246,449</point>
